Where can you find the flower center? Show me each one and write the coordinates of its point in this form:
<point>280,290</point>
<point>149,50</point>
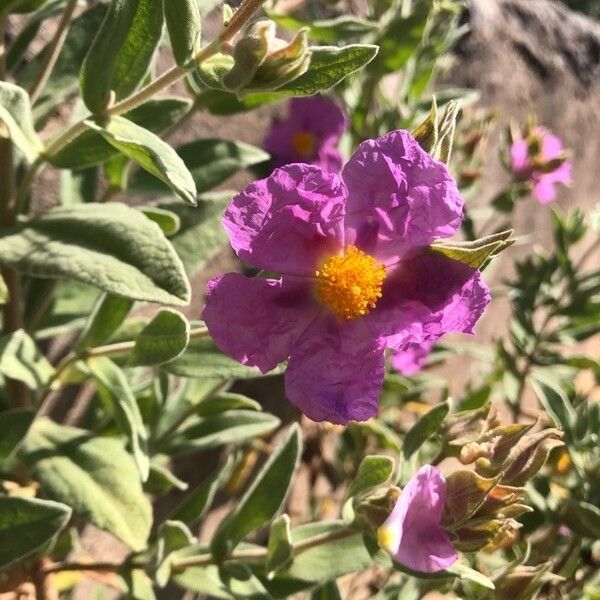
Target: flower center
<point>304,143</point>
<point>350,285</point>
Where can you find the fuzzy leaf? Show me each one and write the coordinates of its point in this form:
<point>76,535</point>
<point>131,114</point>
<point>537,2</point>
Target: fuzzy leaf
<point>183,24</point>
<point>93,475</point>
<point>162,340</point>
<point>108,314</point>
<point>150,152</point>
<point>14,425</point>
<point>20,359</point>
<point>424,428</point>
<point>120,55</point>
<point>109,246</point>
<point>279,549</point>
<point>28,526</point>
<point>263,498</point>
<point>373,471</point>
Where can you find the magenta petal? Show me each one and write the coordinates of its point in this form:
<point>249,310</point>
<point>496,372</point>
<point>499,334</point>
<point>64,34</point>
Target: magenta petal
<point>288,221</point>
<point>256,321</point>
<point>317,116</point>
<point>519,154</point>
<point>410,358</point>
<point>427,296</point>
<point>335,372</point>
<point>413,532</point>
<point>399,197</point>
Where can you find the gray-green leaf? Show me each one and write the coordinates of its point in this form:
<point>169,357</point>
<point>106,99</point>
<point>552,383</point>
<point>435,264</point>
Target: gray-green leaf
<point>210,161</point>
<point>94,475</point>
<point>424,428</point>
<point>121,53</point>
<point>183,24</point>
<point>162,340</point>
<point>20,359</point>
<point>150,152</point>
<point>279,548</point>
<point>263,498</point>
<point>110,246</point>
<point>14,425</point>
<point>15,113</point>
<point>28,525</point>
<point>108,314</point>
<point>373,471</point>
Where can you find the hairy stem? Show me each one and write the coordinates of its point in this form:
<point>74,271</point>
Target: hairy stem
<point>203,559</point>
<point>53,52</point>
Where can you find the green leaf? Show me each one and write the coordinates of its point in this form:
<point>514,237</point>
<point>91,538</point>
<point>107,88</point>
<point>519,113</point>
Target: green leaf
<point>14,425</point>
<point>327,591</point>
<point>327,30</point>
<point>99,244</point>
<point>424,428</point>
<point>3,291</point>
<point>202,360</point>
<point>121,53</point>
<point>328,66</point>
<point>151,153</point>
<point>183,24</point>
<point>15,114</point>
<point>210,161</point>
<point>28,526</point>
<point>263,498</point>
<point>162,340</point>
<point>90,148</point>
<point>108,314</point>
<point>345,553</point>
<point>199,500</point>
<point>555,402</point>
<point>279,549</point>
<point>172,537</point>
<point>20,359</point>
<point>118,398</point>
<point>93,475</point>
<point>465,493</point>
<point>233,426</point>
<point>465,572</point>
<point>167,220</point>
<point>161,480</point>
<point>477,253</point>
<point>583,518</point>
<point>223,402</point>
<point>373,471</point>
<point>78,187</point>
<point>201,235</point>
<point>64,79</point>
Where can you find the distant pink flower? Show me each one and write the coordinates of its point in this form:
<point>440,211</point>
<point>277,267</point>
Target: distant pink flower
<point>309,134</point>
<point>355,274</point>
<point>540,158</point>
<point>411,358</point>
<point>413,534</point>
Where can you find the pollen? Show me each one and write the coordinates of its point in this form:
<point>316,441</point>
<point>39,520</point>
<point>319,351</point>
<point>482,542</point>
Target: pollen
<point>350,284</point>
<point>304,144</point>
<point>386,538</point>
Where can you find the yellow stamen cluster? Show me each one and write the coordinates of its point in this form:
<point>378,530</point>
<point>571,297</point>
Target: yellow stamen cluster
<point>304,144</point>
<point>386,538</point>
<point>350,284</point>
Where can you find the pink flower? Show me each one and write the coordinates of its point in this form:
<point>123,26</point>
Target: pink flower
<point>413,534</point>
<point>309,134</point>
<point>411,358</point>
<point>354,274</point>
<point>540,158</point>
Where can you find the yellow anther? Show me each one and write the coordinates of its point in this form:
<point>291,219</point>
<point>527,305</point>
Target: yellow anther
<point>304,144</point>
<point>350,284</point>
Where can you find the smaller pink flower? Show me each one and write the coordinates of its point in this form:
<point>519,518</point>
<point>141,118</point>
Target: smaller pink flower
<point>309,134</point>
<point>540,158</point>
<point>410,359</point>
<point>413,534</point>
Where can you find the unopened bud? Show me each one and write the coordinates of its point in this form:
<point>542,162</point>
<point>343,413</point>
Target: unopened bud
<point>265,62</point>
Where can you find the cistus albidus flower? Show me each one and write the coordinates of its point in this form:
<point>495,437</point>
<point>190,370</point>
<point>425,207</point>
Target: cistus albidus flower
<point>410,359</point>
<point>413,533</point>
<point>354,274</point>
<point>540,159</point>
<point>308,134</point>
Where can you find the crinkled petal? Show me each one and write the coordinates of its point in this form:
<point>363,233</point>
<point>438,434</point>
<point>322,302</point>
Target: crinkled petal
<point>329,158</point>
<point>399,197</point>
<point>409,359</point>
<point>412,532</point>
<point>335,372</point>
<point>288,221</point>
<point>427,296</point>
<point>255,320</point>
